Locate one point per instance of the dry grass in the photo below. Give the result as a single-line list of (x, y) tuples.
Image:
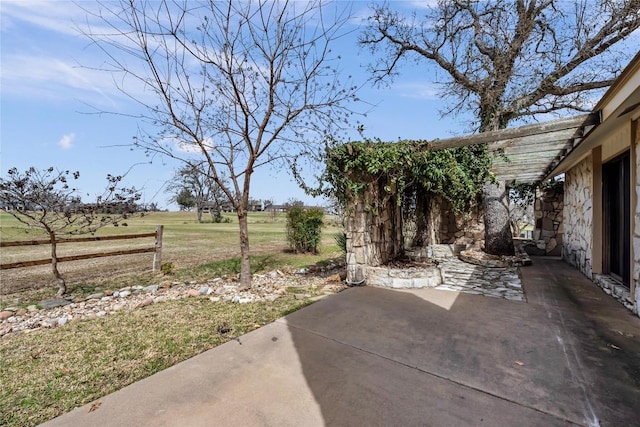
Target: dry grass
[(186, 244), (48, 372)]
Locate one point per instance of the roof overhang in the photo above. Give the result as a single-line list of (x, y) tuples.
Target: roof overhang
[(527, 154)]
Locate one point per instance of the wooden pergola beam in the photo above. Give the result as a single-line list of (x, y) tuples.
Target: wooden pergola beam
[(575, 122)]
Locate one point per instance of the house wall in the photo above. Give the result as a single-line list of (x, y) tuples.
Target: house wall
[(635, 223), (578, 216)]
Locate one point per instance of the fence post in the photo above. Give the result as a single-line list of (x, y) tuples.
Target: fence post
[(157, 255)]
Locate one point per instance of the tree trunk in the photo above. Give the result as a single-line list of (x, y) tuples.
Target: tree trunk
[(245, 262), (199, 214), (497, 224), (428, 212), (62, 285)]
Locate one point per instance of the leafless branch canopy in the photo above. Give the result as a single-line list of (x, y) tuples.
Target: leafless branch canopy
[(237, 83), (507, 59)]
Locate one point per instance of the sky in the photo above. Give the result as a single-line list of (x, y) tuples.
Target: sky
[(49, 100), (55, 109)]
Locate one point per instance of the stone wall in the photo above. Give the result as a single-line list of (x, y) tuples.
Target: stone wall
[(548, 212), (374, 232), (578, 216), (461, 229)]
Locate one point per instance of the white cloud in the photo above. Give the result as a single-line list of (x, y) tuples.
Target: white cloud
[(417, 90), (66, 142)]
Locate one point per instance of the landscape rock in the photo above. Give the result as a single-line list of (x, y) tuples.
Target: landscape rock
[(145, 302), (53, 303), (152, 289), (60, 312)]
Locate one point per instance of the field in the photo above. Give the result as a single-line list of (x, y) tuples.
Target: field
[(46, 372), (189, 246)]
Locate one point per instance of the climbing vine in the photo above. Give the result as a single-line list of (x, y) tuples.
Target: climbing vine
[(405, 168)]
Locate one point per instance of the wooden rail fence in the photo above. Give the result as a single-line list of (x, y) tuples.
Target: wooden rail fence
[(156, 249)]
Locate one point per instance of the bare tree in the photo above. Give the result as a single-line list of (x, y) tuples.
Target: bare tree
[(506, 60), (197, 181), (45, 200), (238, 84)]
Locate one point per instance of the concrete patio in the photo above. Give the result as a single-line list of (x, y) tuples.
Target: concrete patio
[(568, 355)]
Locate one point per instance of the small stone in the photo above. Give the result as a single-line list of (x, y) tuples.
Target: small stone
[(126, 288), (13, 309), (4, 315), (226, 298), (62, 321), (96, 296), (116, 294), (124, 294), (214, 299), (152, 289), (244, 300), (144, 303), (161, 298), (117, 307), (101, 313), (165, 285), (192, 293), (302, 271), (21, 312), (107, 292), (32, 308), (49, 323), (53, 303), (204, 290), (89, 316)]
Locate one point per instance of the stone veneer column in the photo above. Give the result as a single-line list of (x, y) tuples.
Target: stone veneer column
[(374, 232), (548, 212), (578, 216)]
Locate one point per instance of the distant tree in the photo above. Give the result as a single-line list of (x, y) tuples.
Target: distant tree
[(45, 200), (506, 60), (238, 84), (194, 187), (184, 199)]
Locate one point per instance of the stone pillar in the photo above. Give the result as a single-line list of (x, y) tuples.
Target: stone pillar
[(374, 231), (578, 216), (548, 212)]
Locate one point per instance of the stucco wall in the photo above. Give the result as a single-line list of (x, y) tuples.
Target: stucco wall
[(577, 216)]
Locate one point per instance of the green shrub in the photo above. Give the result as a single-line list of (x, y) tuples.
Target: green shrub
[(304, 227), (167, 268)]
